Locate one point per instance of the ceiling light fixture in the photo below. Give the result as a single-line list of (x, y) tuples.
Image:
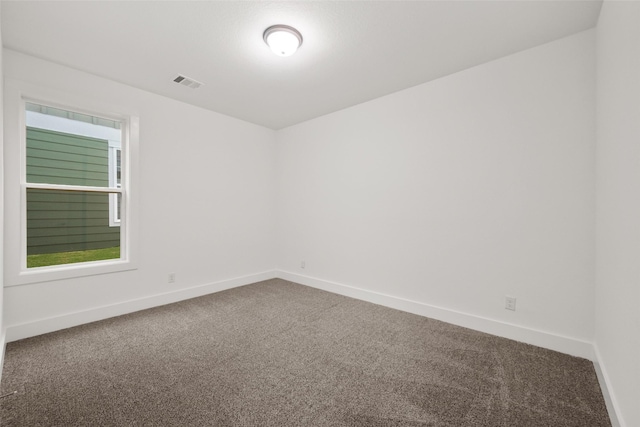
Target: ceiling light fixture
[(282, 39)]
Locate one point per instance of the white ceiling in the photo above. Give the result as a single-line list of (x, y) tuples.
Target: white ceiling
[(353, 51)]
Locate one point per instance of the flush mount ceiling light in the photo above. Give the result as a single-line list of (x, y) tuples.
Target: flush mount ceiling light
[(282, 39)]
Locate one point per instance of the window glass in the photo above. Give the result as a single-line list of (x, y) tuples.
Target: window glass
[(66, 227), (73, 187)]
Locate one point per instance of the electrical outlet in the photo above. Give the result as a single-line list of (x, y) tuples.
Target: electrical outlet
[(510, 303), (171, 278), (303, 264)]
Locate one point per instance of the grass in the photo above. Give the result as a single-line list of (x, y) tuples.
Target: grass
[(43, 260)]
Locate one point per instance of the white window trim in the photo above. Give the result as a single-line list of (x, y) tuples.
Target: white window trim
[(16, 94)]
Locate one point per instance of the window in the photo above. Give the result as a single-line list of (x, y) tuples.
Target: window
[(70, 173), (73, 186), (115, 173)]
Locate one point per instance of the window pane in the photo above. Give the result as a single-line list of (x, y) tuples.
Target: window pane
[(66, 227), (71, 115), (68, 148), (118, 204), (118, 168)]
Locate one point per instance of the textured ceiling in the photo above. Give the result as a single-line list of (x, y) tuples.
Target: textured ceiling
[(352, 51)]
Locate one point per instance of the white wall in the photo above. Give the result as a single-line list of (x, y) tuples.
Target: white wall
[(456, 192), (617, 327), (206, 204)]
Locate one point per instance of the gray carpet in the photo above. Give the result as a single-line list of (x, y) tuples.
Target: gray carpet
[(277, 353)]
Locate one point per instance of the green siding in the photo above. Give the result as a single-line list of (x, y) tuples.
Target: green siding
[(64, 221), (59, 158)]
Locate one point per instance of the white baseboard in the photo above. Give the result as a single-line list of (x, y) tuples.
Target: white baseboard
[(544, 339), (607, 390), (3, 347), (43, 326)]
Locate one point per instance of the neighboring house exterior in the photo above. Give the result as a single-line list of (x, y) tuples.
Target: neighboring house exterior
[(65, 221)]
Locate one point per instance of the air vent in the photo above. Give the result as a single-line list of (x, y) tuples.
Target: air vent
[(188, 82)]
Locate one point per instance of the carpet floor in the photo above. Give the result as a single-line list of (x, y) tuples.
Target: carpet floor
[(276, 353)]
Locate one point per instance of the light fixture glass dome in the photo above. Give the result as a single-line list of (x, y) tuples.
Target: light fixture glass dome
[(282, 39)]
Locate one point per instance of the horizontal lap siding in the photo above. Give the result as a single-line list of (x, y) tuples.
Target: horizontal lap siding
[(60, 158), (64, 221)]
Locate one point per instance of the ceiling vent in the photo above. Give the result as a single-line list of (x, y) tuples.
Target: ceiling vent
[(188, 82)]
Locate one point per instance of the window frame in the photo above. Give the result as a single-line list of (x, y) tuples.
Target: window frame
[(17, 94)]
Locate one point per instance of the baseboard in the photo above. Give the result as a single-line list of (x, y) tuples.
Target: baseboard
[(544, 339), (3, 346), (43, 326), (607, 390)]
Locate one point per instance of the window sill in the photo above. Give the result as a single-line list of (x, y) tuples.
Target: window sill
[(70, 271)]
